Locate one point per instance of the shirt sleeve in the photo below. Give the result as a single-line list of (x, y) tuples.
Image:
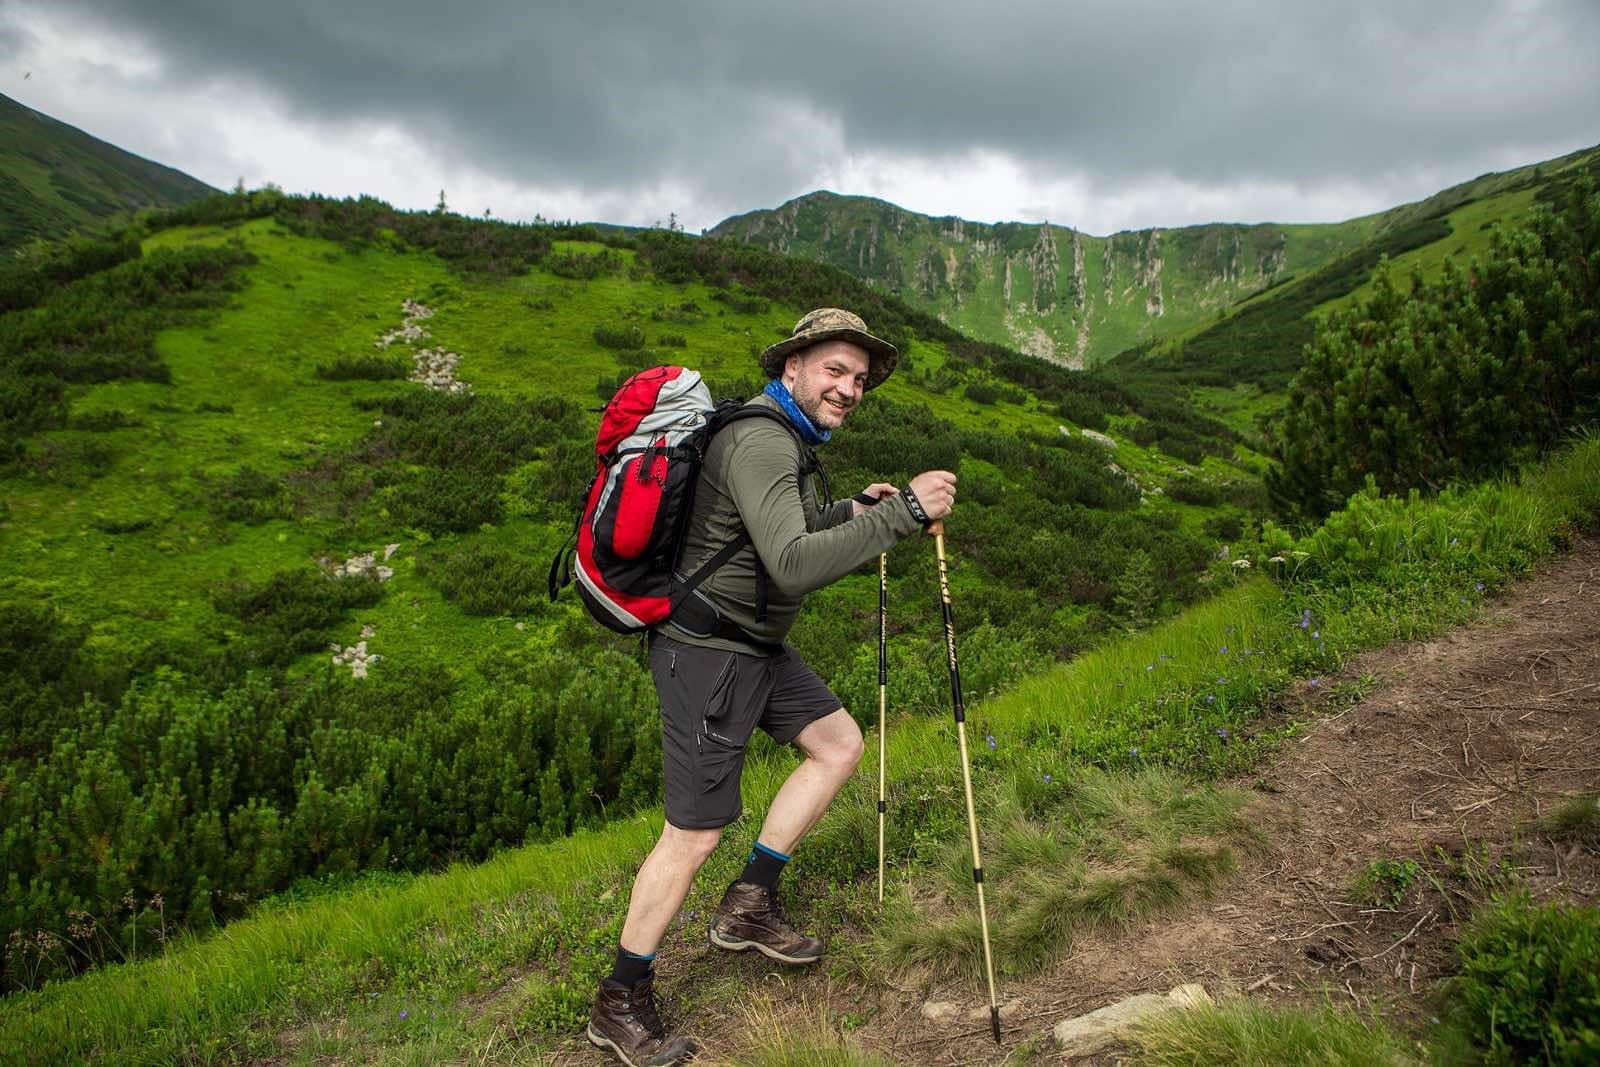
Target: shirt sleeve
[(840, 511), (763, 480)]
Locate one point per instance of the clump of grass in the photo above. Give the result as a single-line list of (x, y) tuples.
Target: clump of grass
[(1575, 819), (1243, 1033), (772, 1040), (1114, 849)]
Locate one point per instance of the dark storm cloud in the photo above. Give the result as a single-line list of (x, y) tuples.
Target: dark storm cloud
[(737, 102)]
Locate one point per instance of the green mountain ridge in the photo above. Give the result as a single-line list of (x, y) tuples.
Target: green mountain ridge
[(56, 179), (1078, 299)]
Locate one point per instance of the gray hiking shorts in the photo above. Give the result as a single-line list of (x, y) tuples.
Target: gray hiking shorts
[(711, 702)]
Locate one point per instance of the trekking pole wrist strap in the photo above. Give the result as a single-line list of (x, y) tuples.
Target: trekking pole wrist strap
[(918, 512)]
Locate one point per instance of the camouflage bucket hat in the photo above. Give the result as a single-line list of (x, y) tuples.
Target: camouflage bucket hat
[(834, 324)]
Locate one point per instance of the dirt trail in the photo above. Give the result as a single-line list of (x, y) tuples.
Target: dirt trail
[(1458, 744)]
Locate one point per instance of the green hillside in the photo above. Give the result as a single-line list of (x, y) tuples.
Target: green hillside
[(1045, 289), (56, 179), (280, 479), (311, 457), (1081, 300)]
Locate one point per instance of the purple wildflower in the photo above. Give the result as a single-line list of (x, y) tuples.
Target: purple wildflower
[(1316, 635), (1223, 650), (1222, 732), (1305, 619), (990, 739), (1315, 683), (1048, 779), (404, 1014), (1210, 699), (1133, 752), (1454, 542), (1479, 587)]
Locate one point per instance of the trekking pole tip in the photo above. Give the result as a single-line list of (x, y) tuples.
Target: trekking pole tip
[(994, 1021)]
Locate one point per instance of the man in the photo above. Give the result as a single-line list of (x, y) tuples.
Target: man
[(721, 668)]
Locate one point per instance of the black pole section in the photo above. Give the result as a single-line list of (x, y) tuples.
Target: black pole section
[(883, 706)]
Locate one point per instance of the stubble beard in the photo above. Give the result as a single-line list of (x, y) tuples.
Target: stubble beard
[(814, 408)]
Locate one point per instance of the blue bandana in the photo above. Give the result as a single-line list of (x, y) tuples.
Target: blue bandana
[(808, 432)]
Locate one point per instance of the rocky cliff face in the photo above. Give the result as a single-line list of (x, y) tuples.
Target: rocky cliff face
[(1043, 288)]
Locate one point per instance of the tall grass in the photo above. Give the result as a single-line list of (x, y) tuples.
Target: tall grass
[(1243, 1033)]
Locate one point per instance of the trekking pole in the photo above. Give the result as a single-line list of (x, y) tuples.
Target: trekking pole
[(936, 528), (883, 705)]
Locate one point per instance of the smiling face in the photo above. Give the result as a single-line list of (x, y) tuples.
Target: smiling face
[(827, 380)]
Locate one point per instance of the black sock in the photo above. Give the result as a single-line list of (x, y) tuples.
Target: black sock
[(631, 967), (764, 866)]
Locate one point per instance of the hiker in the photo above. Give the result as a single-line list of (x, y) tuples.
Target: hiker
[(721, 667)]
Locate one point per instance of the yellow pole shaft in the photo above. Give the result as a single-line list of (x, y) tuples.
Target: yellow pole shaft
[(937, 530)]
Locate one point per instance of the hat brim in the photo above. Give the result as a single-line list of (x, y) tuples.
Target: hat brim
[(881, 355)]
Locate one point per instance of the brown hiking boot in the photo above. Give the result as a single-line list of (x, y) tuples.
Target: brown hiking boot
[(749, 917), (624, 1020)]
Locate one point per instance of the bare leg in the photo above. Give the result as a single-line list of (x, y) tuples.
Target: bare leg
[(832, 746), (662, 884)]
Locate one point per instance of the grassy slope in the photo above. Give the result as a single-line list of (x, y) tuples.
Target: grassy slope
[(55, 178), (309, 301), (497, 960)]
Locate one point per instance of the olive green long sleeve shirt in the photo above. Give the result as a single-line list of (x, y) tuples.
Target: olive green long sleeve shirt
[(751, 480)]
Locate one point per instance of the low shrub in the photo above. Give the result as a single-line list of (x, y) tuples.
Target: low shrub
[(443, 501), (584, 265), (619, 337), (363, 368), (291, 613), (1528, 988), (485, 581)]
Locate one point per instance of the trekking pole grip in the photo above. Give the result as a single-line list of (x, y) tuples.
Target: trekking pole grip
[(936, 528)]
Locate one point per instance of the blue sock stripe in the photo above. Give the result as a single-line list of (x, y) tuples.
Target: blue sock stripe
[(774, 853), (636, 956)]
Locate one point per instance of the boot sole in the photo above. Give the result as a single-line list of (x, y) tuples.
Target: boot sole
[(740, 946), (605, 1042), (600, 1041)]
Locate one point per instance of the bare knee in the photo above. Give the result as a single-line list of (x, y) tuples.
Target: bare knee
[(690, 846), (834, 741)]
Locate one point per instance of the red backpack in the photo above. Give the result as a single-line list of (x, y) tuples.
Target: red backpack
[(629, 534)]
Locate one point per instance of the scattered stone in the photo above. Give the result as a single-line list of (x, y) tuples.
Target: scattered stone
[(368, 630), (1097, 1031), (1191, 995), (389, 550), (433, 367), (436, 368), (359, 566), (356, 657), (411, 329), (940, 1011), (1099, 438)]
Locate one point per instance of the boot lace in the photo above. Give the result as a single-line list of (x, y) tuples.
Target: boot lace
[(642, 1003)]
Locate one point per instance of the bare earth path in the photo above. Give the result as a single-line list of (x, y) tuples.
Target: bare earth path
[(1458, 744)]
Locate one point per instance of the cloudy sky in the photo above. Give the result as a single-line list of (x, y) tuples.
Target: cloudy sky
[(1098, 114)]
